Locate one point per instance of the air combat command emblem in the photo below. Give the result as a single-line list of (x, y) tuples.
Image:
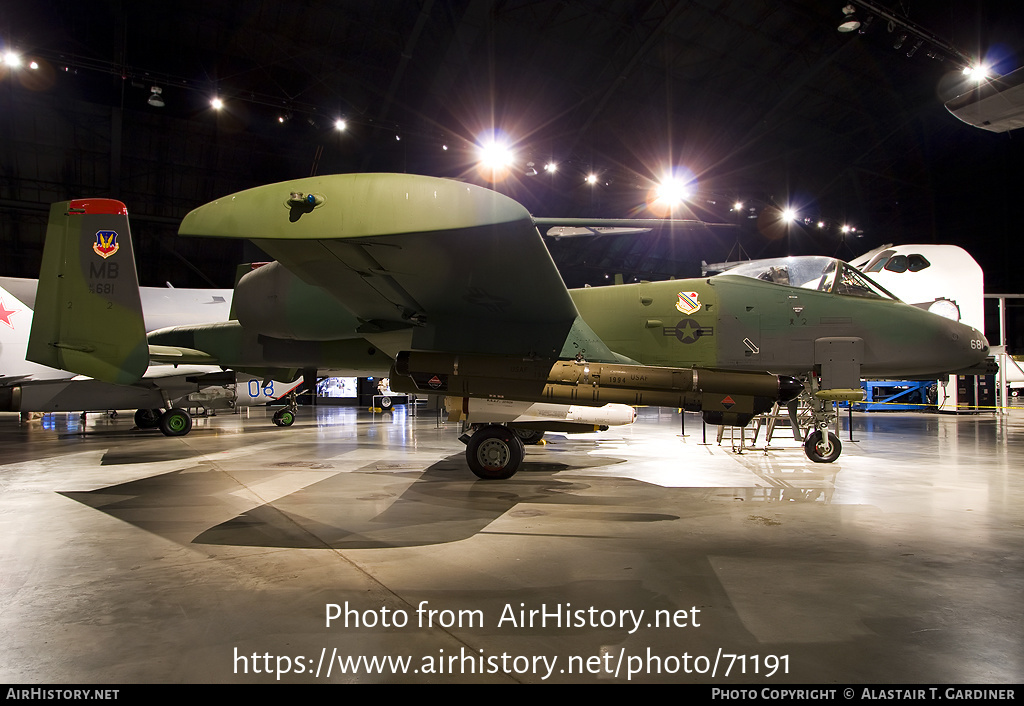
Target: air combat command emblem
[(106, 243)]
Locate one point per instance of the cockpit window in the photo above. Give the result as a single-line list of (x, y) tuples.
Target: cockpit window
[(878, 261), (823, 274), (898, 263), (916, 263)]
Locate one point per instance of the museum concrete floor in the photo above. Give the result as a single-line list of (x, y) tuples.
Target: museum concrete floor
[(128, 557)]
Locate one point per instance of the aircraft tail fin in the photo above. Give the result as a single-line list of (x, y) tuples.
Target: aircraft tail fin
[(88, 315)]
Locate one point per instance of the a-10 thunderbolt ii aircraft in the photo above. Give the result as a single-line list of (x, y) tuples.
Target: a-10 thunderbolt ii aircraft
[(454, 283)]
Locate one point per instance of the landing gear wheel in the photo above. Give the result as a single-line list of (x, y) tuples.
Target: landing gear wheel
[(147, 418), (385, 403), (529, 436), (175, 422), (822, 449), (494, 453), (284, 417)]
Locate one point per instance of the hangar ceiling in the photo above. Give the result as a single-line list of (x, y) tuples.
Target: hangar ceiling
[(763, 101)]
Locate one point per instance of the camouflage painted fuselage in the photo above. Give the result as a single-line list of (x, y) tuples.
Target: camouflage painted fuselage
[(740, 323)]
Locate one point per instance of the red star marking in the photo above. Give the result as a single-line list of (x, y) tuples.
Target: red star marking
[(5, 314)]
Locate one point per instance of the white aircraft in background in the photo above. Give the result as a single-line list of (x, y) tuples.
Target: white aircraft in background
[(945, 280), (29, 387)]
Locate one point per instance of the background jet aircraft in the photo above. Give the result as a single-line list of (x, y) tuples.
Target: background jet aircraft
[(29, 387), (454, 282)]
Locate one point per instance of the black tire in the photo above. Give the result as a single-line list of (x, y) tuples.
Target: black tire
[(284, 417), (821, 449), (385, 403), (147, 418), (175, 422), (494, 453), (529, 436)]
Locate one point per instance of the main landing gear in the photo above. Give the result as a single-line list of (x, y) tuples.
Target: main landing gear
[(174, 422), (494, 452)]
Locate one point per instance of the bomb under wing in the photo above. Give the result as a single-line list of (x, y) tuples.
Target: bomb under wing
[(725, 397)]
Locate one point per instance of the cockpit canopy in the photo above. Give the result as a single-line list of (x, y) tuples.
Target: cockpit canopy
[(822, 274)]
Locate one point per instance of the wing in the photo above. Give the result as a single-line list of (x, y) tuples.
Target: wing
[(456, 266)]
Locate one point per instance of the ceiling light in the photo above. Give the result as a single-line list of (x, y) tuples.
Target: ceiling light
[(216, 103), (671, 191), (550, 167), (156, 98), (591, 178), (978, 72), (495, 155), (850, 21), (913, 49), (340, 125)]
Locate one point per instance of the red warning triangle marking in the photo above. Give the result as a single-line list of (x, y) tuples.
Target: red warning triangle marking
[(728, 401)]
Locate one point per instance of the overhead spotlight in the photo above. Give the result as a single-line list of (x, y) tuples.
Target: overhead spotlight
[(846, 229), (899, 41), (444, 147), (788, 214), (216, 103), (33, 65), (671, 191), (850, 21), (398, 138), (913, 49), (821, 224), (978, 72), (495, 155), (738, 206), (11, 59), (591, 178), (550, 167), (340, 125), (867, 24), (156, 98)]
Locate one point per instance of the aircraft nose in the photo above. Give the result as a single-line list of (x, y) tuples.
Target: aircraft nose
[(970, 344)]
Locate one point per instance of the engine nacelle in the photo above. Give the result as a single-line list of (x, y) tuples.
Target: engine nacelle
[(272, 301)]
